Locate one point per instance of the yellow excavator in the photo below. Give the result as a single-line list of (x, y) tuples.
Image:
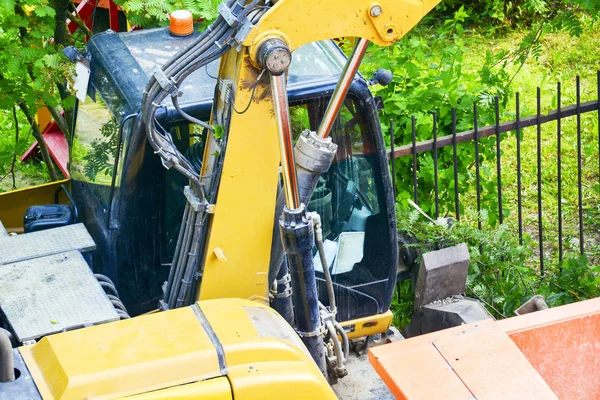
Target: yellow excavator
[(228, 228)]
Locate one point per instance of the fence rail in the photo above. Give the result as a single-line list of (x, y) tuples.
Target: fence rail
[(474, 136)]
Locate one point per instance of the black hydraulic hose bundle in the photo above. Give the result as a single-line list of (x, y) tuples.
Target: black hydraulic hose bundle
[(210, 45), (111, 292)]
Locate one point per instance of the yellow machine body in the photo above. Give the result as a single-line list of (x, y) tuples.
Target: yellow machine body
[(248, 351), (247, 191), (175, 355), (14, 204)]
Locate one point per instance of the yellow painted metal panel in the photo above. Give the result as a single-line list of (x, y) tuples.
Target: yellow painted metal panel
[(265, 357), (245, 341), (127, 357), (169, 355), (212, 389), (238, 250), (282, 380), (14, 204), (368, 326), (300, 21)]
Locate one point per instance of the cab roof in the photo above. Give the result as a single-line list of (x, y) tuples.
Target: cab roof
[(121, 64)]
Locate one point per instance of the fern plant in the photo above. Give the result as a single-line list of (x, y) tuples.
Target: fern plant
[(500, 274)]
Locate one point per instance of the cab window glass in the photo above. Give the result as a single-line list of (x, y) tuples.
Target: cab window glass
[(351, 202), (94, 147)]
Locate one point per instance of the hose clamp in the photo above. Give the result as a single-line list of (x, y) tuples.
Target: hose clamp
[(287, 291), (233, 20), (168, 85), (195, 202), (243, 33), (228, 14), (317, 332), (287, 279)]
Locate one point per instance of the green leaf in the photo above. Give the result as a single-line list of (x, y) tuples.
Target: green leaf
[(44, 11), (7, 5)]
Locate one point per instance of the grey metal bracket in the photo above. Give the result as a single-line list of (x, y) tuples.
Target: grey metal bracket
[(245, 25), (167, 84), (195, 202), (243, 33), (317, 332), (227, 14)]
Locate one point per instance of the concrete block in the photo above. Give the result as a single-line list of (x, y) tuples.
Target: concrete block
[(442, 274)]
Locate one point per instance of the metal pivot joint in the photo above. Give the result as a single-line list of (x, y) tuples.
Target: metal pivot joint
[(274, 56)]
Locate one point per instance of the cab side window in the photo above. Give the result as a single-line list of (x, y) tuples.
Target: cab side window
[(94, 147)]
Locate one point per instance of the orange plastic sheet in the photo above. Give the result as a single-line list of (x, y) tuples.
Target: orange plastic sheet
[(544, 355)]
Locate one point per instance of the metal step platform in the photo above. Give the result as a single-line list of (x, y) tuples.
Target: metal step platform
[(43, 243), (50, 294)]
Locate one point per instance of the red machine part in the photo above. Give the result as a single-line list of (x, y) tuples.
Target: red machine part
[(57, 147), (85, 9)]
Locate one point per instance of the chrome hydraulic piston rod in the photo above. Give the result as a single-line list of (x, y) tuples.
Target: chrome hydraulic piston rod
[(286, 144), (295, 225), (341, 90)]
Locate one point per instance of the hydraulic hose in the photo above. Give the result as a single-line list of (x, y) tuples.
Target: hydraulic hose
[(192, 263), (7, 365), (328, 281), (176, 256), (182, 260), (337, 347), (345, 342)]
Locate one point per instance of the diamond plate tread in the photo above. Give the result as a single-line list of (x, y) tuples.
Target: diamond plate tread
[(48, 294), (42, 243)]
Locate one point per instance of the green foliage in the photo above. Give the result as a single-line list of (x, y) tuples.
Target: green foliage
[(429, 76), (25, 173), (500, 275), (492, 15), (30, 64), (99, 158), (150, 13)]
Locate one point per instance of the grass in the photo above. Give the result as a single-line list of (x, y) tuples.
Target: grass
[(26, 174), (563, 59)]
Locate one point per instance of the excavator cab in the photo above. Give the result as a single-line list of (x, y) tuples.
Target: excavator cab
[(236, 181), (133, 207)]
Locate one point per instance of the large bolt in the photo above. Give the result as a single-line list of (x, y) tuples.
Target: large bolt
[(376, 11), (275, 56)]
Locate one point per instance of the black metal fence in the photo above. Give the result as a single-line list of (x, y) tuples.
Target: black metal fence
[(473, 137)]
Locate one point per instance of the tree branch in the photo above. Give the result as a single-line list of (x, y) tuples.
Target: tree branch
[(56, 113), (14, 160), (35, 128), (60, 19), (76, 18)]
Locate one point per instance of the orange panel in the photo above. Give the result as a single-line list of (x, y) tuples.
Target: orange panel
[(405, 378), (491, 365), (563, 345), (539, 355)]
